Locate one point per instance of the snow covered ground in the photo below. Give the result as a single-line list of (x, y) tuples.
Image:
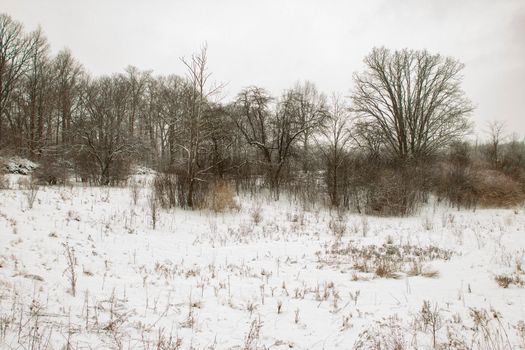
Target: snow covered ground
[(271, 276)]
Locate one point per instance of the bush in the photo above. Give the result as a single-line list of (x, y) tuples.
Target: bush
[(389, 188), (513, 161), (221, 197), (164, 187), (89, 170), (479, 187), (52, 172), (466, 183), (457, 186), (396, 192), (172, 189), (498, 190), (4, 181), (119, 172), (387, 333)]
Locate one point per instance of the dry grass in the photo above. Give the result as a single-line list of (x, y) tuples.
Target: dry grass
[(221, 197), (479, 186), (256, 213), (387, 260), (505, 281), (385, 334), (498, 190)]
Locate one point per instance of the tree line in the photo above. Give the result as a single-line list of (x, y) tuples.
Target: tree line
[(372, 150)]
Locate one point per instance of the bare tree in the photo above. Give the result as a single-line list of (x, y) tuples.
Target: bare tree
[(334, 141), (273, 129), (103, 133), (253, 116), (411, 99), (37, 97), (68, 75), (496, 130), (195, 125), (137, 83), (16, 49), (310, 107), (170, 94)]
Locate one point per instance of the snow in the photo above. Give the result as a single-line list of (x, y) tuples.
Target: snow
[(17, 165), (202, 280)]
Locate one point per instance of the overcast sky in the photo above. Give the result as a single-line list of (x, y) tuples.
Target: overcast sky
[(273, 44)]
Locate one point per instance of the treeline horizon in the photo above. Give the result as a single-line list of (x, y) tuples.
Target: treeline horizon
[(399, 137)]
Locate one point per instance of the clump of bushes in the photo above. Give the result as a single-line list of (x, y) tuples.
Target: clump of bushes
[(479, 188), (52, 172), (164, 187), (221, 197), (467, 183), (387, 187), (90, 170), (498, 190), (394, 193), (172, 190)]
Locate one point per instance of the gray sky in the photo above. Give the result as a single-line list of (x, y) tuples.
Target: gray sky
[(275, 43)]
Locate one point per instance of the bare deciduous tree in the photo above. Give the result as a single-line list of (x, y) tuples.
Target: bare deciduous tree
[(137, 83), (68, 75), (310, 108), (411, 99), (170, 92), (16, 48), (333, 144), (273, 129), (37, 99), (496, 130), (195, 125), (103, 132)]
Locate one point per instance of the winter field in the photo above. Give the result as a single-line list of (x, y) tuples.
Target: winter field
[(83, 268)]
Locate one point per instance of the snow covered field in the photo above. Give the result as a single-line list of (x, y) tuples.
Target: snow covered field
[(271, 276)]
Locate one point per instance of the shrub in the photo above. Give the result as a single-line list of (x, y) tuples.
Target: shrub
[(256, 213), (338, 223), (134, 190), (172, 190), (455, 179), (221, 197), (513, 161), (387, 260), (89, 170), (505, 281), (498, 190), (399, 189), (85, 167), (387, 187), (4, 181), (52, 172), (457, 186), (387, 333), (118, 172), (31, 192), (479, 187), (164, 188), (466, 183)]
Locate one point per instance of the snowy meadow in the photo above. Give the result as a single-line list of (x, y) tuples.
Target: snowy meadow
[(83, 268)]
